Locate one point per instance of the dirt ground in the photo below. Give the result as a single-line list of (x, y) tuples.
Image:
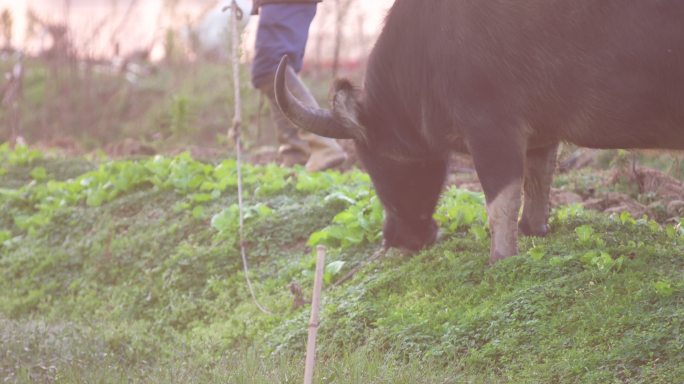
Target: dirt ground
[(664, 193)]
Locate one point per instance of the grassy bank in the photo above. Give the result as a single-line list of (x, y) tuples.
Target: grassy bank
[(129, 271)]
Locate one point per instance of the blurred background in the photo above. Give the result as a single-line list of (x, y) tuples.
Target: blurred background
[(147, 76)]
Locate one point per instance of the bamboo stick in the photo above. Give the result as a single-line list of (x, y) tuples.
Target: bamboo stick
[(313, 321)]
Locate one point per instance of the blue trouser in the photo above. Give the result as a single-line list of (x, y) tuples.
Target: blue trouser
[(283, 30)]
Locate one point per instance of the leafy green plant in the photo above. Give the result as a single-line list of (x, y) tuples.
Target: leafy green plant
[(588, 237), (537, 252), (564, 213), (4, 236), (332, 270), (185, 174), (459, 210), (676, 230), (21, 155), (39, 174), (626, 218), (273, 179), (321, 181), (602, 261), (480, 232), (663, 288), (360, 223), (199, 183), (585, 234)]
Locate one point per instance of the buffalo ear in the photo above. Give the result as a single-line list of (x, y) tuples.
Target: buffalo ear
[(340, 123), (346, 103)]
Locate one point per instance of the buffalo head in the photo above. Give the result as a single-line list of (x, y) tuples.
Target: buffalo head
[(408, 186)]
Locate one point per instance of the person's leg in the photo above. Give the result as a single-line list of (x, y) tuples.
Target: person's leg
[(282, 30), (292, 148)]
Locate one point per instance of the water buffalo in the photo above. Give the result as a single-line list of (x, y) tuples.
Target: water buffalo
[(505, 81)]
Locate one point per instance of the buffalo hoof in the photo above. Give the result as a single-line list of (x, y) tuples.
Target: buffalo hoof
[(526, 229), (495, 256)]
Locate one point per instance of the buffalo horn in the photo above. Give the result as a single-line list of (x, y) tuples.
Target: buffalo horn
[(313, 119)]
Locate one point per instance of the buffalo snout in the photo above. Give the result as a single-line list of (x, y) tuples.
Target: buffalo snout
[(409, 235)]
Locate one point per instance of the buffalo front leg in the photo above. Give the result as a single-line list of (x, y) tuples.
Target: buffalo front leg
[(499, 162), (539, 167)]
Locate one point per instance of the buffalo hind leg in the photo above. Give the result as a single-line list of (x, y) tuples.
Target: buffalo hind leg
[(499, 162), (539, 167)]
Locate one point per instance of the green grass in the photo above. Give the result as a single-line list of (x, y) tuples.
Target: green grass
[(146, 285)]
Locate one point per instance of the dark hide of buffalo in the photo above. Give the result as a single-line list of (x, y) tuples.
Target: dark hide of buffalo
[(506, 81)]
